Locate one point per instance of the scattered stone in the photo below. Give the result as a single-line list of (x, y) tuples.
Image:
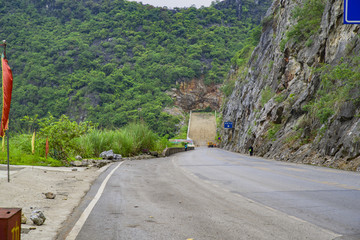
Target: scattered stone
[(109, 155), (23, 219), (50, 195), (76, 163), (78, 158), (154, 153), (117, 157), (358, 169), (100, 164), (74, 169), (25, 230), (38, 217), (86, 162)]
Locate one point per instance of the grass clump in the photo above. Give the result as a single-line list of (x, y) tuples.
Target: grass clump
[(128, 141), (308, 22), (21, 153), (266, 95), (339, 84), (273, 130)]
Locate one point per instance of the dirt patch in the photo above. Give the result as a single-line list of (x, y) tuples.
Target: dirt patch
[(26, 190)]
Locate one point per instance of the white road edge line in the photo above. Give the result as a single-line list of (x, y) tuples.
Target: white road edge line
[(80, 223)]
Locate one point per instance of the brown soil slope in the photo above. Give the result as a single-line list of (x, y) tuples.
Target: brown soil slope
[(202, 128)]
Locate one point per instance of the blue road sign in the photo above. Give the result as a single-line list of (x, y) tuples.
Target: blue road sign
[(351, 11), (228, 125)]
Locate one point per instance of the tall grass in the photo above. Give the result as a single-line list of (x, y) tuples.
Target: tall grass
[(128, 141), (21, 154)]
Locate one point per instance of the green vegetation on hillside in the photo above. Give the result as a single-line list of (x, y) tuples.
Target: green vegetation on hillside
[(308, 19), (111, 61), (339, 84)]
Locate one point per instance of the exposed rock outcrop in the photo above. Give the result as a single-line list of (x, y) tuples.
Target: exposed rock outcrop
[(195, 95), (281, 128), (253, 10)]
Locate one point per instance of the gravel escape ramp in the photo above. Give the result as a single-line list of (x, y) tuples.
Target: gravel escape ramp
[(202, 128)]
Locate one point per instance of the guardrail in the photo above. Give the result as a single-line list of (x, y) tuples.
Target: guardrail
[(170, 151)]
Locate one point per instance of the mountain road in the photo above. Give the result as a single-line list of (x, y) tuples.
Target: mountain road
[(210, 193)]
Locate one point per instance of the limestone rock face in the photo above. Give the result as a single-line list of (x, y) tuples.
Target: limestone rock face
[(281, 129), (195, 95)]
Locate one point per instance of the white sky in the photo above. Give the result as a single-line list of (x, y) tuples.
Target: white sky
[(176, 3)]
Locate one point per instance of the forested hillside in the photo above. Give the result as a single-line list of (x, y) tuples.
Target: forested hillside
[(111, 61)]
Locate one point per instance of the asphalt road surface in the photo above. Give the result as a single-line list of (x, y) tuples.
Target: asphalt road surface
[(214, 194)]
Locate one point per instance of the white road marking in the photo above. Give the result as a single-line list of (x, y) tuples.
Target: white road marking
[(80, 223)]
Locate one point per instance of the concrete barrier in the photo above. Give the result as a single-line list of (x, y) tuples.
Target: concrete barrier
[(170, 151)]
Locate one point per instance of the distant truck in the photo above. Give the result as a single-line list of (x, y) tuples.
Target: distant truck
[(211, 144)]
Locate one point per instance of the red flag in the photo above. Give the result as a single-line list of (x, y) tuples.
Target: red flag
[(7, 79), (46, 147)]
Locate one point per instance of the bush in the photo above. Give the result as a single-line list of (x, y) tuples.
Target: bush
[(61, 134)]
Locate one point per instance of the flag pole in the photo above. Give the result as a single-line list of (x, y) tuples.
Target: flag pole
[(4, 45), (8, 155), (7, 138)]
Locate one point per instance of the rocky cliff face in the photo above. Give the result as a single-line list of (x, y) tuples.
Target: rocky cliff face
[(196, 95), (247, 9), (269, 105)]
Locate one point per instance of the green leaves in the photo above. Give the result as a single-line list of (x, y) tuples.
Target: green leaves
[(61, 134), (308, 21), (102, 61), (339, 84), (128, 141)]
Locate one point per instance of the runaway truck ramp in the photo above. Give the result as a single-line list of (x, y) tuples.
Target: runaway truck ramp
[(202, 128)]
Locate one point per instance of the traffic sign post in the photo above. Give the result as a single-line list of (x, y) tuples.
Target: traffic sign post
[(228, 125), (351, 12)]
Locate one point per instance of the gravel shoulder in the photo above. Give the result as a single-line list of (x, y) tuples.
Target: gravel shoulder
[(27, 187)]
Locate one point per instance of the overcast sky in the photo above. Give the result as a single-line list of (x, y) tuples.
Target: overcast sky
[(176, 3)]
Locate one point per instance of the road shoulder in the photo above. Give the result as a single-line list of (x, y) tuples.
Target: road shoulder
[(26, 190)]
